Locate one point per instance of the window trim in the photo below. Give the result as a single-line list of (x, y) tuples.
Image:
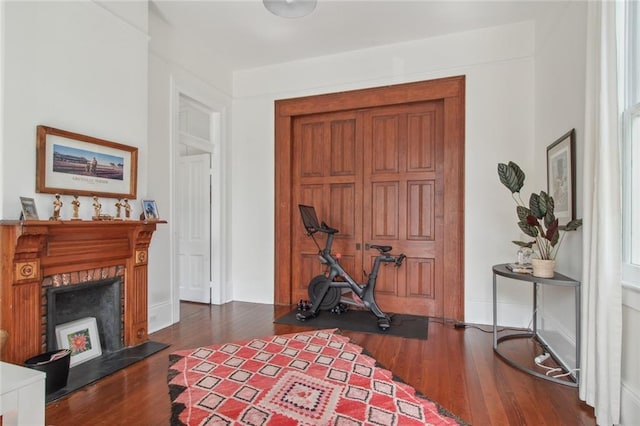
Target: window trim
[(630, 65)]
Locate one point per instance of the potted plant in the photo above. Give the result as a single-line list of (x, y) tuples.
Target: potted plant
[(536, 220)]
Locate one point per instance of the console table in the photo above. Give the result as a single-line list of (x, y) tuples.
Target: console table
[(557, 280)]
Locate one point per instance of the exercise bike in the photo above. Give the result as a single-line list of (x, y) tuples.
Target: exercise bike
[(329, 290)]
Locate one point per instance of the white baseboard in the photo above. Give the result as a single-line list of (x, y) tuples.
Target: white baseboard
[(560, 339), (629, 406), (631, 298), (160, 316), (509, 314)]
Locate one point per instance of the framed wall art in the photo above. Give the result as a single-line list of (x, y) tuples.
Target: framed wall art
[(29, 211), (81, 338), (74, 164), (561, 176)]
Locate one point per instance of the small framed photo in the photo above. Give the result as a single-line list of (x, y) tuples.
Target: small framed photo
[(81, 338), (29, 211), (150, 210), (561, 176)]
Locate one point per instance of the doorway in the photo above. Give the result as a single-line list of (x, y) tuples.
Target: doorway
[(194, 207), (384, 166)]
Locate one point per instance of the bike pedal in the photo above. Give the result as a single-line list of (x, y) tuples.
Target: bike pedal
[(384, 324)]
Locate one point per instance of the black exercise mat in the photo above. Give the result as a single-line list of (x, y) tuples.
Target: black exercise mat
[(410, 326)]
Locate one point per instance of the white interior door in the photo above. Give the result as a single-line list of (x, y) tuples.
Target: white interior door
[(194, 227)]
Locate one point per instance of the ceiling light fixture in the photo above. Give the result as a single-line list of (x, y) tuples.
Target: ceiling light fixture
[(290, 8)]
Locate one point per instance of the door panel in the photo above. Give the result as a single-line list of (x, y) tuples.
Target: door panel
[(326, 157), (420, 215), (384, 223), (403, 187), (194, 230)]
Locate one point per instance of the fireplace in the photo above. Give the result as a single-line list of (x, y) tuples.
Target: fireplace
[(100, 299), (42, 260)]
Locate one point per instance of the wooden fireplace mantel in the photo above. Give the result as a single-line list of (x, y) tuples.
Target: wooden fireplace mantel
[(32, 250)]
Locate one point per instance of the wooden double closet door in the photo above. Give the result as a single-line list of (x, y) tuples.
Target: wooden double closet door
[(379, 174)]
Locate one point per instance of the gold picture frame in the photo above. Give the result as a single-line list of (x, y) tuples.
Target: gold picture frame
[(74, 164)]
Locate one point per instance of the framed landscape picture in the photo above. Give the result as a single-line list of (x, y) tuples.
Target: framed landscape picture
[(561, 176), (74, 164), (81, 338)]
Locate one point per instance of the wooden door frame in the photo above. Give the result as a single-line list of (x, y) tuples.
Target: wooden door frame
[(451, 91)]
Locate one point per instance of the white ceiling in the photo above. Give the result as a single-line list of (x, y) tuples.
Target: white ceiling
[(244, 34)]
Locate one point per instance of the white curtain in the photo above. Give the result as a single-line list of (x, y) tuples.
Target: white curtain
[(601, 288)]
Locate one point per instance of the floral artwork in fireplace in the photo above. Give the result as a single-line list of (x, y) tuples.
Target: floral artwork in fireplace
[(81, 337)]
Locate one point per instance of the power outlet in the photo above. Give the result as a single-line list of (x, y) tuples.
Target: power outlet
[(542, 358)]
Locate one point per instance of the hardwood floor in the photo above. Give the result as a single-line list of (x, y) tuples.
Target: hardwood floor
[(455, 367)]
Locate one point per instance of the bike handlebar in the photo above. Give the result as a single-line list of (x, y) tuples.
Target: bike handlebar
[(400, 259)]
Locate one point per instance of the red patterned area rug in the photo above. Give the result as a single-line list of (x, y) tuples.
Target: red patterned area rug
[(312, 378)]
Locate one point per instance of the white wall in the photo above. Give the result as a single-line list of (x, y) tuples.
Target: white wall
[(177, 63), (559, 106), (499, 69), (75, 66)]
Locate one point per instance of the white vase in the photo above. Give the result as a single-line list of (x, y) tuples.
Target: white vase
[(543, 268)]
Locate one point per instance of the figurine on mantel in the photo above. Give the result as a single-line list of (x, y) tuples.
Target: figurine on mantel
[(119, 206), (76, 206), (127, 209), (57, 206), (96, 208)]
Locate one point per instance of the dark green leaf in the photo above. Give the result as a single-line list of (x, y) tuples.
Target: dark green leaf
[(519, 174), (543, 199), (535, 204), (549, 216), (524, 244), (523, 212), (509, 177), (572, 226), (529, 230)]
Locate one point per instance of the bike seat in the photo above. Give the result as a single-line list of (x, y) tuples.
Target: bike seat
[(327, 229), (383, 249)]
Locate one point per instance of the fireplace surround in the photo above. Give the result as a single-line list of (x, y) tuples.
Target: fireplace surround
[(40, 255), (100, 299)]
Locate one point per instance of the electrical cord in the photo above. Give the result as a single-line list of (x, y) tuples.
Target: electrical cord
[(461, 325), (551, 370)]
